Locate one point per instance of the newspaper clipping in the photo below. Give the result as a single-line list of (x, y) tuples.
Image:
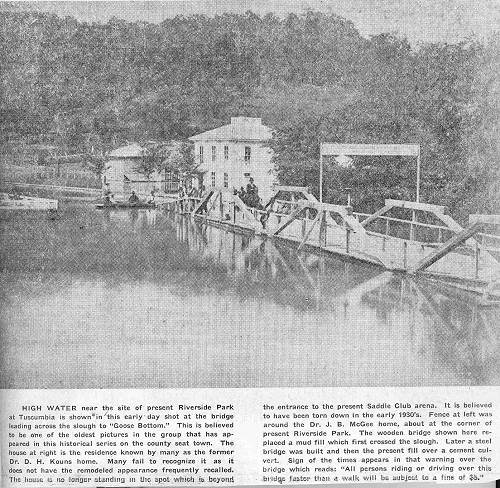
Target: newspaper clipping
[(249, 243)]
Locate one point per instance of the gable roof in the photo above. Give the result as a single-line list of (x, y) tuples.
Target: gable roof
[(240, 129), (130, 151)]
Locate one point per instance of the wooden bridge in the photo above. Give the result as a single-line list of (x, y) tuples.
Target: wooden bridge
[(403, 236)]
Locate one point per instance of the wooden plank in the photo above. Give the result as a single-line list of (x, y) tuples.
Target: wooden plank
[(310, 197), (354, 224), (334, 149), (271, 201), (214, 201), (308, 233), (290, 219), (447, 247), (484, 219), (340, 209), (489, 258), (203, 200), (450, 223), (377, 214), (426, 207), (221, 207), (330, 220), (239, 202), (297, 189)]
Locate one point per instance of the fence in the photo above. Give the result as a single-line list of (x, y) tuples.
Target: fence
[(64, 176)]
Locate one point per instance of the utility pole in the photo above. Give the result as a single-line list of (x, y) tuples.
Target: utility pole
[(320, 177), (418, 175)]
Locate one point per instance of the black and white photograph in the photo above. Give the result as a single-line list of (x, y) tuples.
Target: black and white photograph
[(236, 194)]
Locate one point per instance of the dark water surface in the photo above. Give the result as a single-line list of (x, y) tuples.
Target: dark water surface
[(104, 299)]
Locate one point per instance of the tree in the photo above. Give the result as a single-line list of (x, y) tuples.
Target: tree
[(312, 77), (174, 156)]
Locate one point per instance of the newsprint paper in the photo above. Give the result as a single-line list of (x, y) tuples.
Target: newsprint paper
[(249, 243)]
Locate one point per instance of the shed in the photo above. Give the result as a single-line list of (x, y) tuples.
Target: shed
[(122, 173)]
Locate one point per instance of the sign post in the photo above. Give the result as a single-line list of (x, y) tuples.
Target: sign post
[(321, 178), (418, 175)]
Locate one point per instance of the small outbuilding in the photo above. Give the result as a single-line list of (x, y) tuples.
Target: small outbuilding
[(122, 173)]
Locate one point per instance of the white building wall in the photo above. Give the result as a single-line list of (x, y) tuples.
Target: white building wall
[(114, 174), (237, 169)]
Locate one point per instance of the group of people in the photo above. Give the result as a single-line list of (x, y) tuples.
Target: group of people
[(109, 198), (250, 195), (191, 191), (134, 199)]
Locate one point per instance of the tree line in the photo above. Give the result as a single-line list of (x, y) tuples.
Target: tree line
[(311, 77)]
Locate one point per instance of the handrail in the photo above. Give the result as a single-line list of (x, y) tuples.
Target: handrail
[(424, 207), (294, 205), (489, 236), (394, 219), (429, 226), (76, 189)]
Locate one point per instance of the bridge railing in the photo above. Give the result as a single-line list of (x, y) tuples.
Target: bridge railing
[(406, 229), (389, 240)]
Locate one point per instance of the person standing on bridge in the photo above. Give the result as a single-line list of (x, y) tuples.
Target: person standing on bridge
[(251, 187), (253, 199)]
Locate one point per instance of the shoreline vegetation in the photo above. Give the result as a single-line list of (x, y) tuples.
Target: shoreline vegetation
[(73, 87)]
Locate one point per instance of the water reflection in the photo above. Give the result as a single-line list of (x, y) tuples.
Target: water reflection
[(195, 305)]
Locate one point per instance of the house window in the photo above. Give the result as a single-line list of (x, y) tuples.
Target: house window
[(248, 153), (213, 178), (226, 152), (214, 153), (201, 154), (226, 180)]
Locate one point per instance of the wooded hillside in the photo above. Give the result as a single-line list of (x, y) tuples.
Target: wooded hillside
[(311, 77)]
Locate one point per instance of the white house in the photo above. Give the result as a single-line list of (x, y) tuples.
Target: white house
[(232, 154), (122, 173)]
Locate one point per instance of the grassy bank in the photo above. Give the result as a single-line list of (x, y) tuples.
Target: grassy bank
[(23, 164), (67, 175)]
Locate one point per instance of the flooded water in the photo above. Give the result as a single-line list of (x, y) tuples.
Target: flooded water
[(116, 299)]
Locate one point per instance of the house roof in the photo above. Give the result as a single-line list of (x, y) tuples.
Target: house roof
[(240, 129), (130, 151)]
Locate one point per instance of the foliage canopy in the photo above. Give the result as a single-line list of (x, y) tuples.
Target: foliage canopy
[(312, 77)]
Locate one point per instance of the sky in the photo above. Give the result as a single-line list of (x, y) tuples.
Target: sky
[(417, 20)]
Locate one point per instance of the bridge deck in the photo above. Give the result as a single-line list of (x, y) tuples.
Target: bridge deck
[(337, 231)]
